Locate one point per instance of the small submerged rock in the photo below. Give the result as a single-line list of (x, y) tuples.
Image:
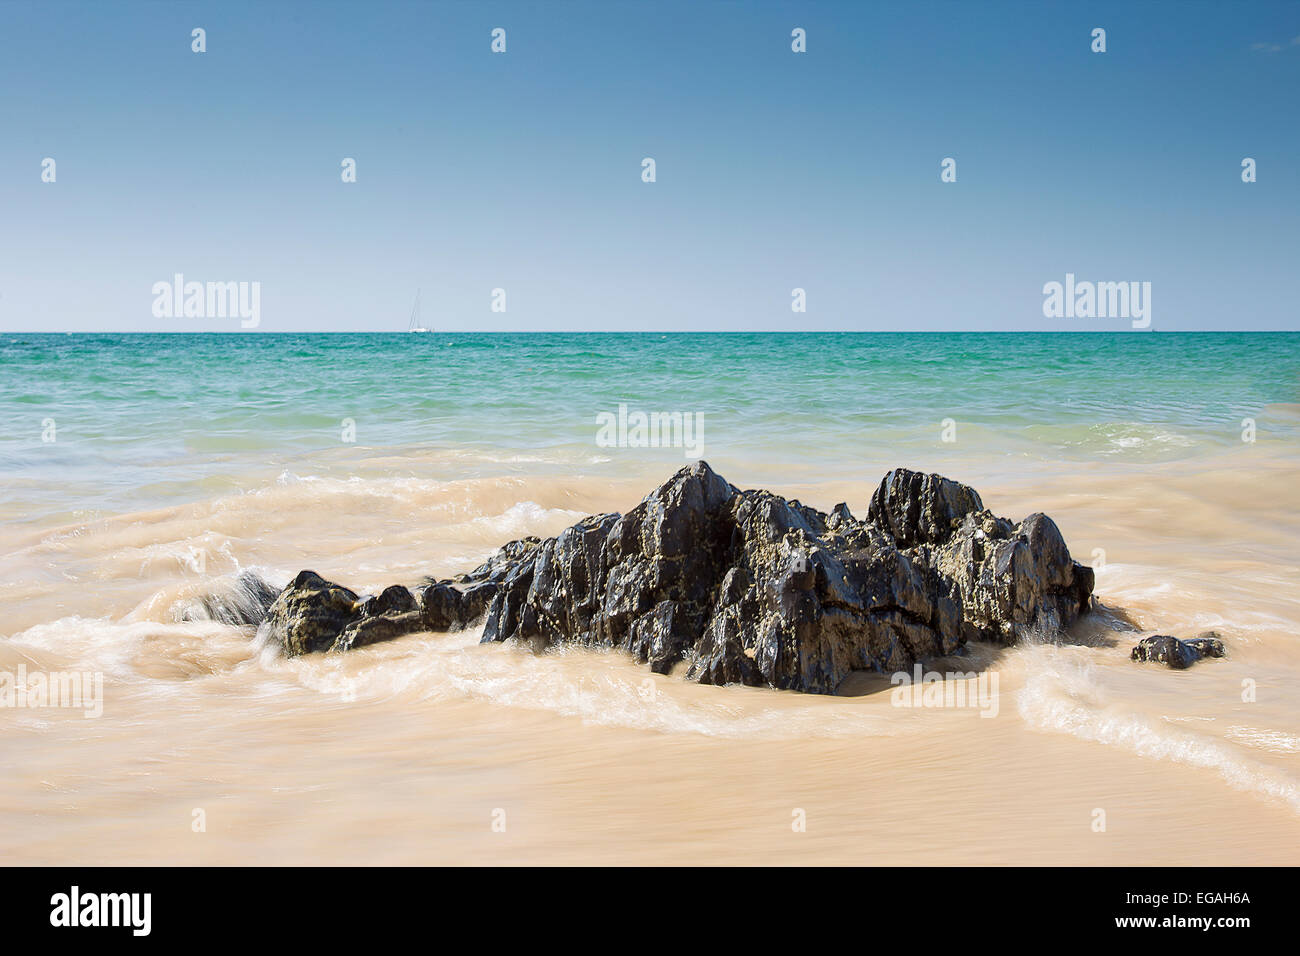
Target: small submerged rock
[(245, 600), (1169, 650), (1209, 644), (745, 586)]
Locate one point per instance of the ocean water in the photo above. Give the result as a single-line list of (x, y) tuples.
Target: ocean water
[(140, 417), (179, 463)]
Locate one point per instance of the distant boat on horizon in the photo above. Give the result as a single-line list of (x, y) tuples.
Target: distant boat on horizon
[(414, 325)]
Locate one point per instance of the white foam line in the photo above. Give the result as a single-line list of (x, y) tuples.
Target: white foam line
[(1066, 697)]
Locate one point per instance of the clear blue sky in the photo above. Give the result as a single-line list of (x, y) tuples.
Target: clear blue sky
[(523, 170)]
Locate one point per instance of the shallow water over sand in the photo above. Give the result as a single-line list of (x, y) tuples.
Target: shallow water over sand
[(403, 752)]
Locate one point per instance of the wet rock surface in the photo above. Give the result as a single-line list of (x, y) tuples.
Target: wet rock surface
[(743, 586), (1178, 654), (312, 614)]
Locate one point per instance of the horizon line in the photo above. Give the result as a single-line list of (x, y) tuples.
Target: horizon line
[(403, 332)]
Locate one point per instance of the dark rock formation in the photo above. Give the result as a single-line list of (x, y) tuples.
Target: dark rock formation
[(313, 614), (744, 586), (1164, 649)]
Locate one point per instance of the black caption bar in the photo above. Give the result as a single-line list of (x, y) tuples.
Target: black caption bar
[(136, 906)]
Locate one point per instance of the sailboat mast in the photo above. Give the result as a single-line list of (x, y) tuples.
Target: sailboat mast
[(415, 313)]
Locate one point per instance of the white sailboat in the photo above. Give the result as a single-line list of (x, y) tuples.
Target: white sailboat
[(415, 325)]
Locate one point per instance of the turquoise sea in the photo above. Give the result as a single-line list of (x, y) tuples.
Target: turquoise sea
[(137, 417)]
